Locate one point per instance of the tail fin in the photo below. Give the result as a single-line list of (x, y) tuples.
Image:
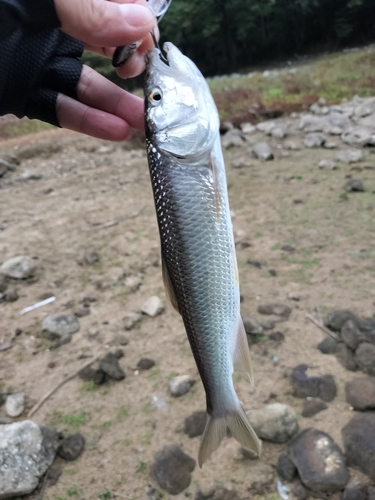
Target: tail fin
[(216, 430)]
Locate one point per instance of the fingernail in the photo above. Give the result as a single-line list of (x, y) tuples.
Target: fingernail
[(137, 15)]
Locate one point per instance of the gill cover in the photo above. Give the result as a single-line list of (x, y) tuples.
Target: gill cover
[(183, 119)]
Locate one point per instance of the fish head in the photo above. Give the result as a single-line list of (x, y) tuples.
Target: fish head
[(181, 115)]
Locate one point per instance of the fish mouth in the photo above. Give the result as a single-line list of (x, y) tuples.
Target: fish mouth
[(157, 53)]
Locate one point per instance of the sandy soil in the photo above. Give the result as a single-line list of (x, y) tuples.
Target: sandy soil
[(97, 195)]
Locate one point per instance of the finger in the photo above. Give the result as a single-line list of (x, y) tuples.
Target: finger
[(74, 115), (97, 92), (102, 23)]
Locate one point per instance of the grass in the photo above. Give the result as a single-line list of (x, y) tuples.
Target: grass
[(74, 420), (335, 77)]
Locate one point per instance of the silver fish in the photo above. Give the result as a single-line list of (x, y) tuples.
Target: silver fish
[(198, 254)]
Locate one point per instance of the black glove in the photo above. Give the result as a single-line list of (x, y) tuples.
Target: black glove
[(36, 63)]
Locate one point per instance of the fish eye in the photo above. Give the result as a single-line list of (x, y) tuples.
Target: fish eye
[(155, 96)]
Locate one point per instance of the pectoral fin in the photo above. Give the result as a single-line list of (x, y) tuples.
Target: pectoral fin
[(169, 288), (242, 360)]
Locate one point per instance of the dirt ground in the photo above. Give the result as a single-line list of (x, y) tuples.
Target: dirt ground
[(97, 195)]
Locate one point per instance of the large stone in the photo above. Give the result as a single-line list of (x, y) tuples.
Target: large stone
[(71, 447), (355, 492), (335, 320), (365, 358), (180, 385), (311, 123), (172, 469), (328, 345), (354, 186), (359, 137), (15, 404), (56, 326), (232, 138), (153, 306), (320, 462), (336, 123), (262, 151), (195, 424), (252, 326), (314, 140), (312, 406), (26, 452), (351, 334), (346, 357), (349, 155), (359, 442), (276, 309), (110, 365), (21, 267), (304, 386), (276, 422), (285, 468), (360, 393)]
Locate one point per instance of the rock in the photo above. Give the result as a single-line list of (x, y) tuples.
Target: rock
[(351, 335), (285, 468), (85, 311), (145, 364), (365, 358), (312, 406), (54, 474), (320, 462), (349, 155), (91, 257), (110, 365), (11, 295), (311, 123), (276, 336), (279, 131), (327, 165), (359, 442), (292, 146), (247, 128), (20, 267), (262, 151), (31, 175), (335, 320), (97, 376), (120, 339), (26, 453), (64, 339), (299, 491), (346, 357), (57, 325), (355, 492), (252, 327), (354, 185), (180, 385), (195, 424), (328, 345), (359, 137), (368, 122), (371, 494), (232, 138), (276, 309), (330, 145), (172, 469), (360, 393), (153, 306), (15, 404), (304, 386), (268, 324), (218, 493), (365, 107), (275, 422), (314, 140), (225, 126), (131, 320), (4, 346), (265, 127), (71, 447), (336, 123)]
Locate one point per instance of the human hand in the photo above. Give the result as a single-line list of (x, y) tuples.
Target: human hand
[(102, 109)]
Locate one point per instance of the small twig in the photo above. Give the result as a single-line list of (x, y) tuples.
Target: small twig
[(35, 408), (114, 222), (321, 326), (320, 317), (118, 494)]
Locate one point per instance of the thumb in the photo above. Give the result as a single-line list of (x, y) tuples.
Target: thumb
[(104, 23)]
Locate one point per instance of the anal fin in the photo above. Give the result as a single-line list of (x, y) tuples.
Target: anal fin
[(242, 360), (169, 288)]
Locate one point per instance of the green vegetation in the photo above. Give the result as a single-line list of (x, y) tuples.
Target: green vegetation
[(74, 420), (73, 491), (122, 413)]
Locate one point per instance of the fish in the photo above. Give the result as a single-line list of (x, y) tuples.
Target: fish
[(199, 264)]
